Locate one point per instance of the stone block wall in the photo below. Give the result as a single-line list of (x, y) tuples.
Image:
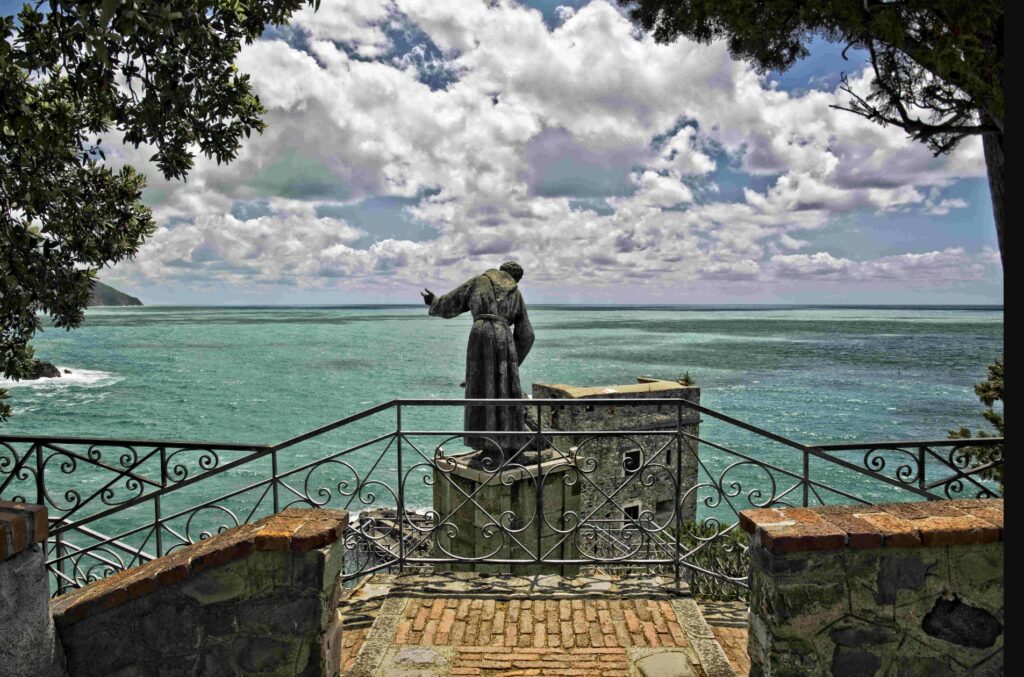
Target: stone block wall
[(500, 521), (909, 589), (603, 459), (259, 599), (27, 640)]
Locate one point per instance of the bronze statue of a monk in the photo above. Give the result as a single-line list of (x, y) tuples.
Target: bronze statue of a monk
[(499, 341)]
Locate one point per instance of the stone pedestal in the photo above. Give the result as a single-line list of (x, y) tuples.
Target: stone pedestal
[(493, 516)]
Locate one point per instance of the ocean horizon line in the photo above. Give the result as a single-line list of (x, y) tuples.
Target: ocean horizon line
[(596, 306)]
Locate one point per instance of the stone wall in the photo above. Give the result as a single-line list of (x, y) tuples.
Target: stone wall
[(259, 599), (604, 460), (908, 589), (494, 516), (27, 641)]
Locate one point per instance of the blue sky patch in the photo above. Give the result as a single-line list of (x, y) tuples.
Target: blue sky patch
[(821, 70), (299, 178), (560, 166), (382, 218), (864, 234), (252, 209), (593, 204), (548, 9)]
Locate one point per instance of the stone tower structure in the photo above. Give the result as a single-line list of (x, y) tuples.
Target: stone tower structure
[(595, 490), (608, 462)]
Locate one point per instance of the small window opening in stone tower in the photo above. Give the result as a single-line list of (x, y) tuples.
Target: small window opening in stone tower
[(631, 461)]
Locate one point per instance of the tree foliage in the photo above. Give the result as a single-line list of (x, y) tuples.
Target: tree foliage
[(989, 392), (159, 74), (937, 64)]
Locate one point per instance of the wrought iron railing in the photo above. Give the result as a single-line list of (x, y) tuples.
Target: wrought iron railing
[(114, 504)]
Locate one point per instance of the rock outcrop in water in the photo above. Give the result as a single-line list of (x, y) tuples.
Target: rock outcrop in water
[(105, 295), (41, 369)]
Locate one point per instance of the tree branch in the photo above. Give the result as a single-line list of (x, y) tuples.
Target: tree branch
[(918, 129)]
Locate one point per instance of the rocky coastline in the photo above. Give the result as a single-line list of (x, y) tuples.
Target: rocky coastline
[(43, 369)]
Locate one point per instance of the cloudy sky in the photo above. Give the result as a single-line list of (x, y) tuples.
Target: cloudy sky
[(415, 143)]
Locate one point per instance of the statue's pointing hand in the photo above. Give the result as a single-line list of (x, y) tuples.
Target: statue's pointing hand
[(428, 296)]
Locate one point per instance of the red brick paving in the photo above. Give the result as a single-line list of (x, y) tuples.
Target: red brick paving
[(540, 624), (352, 641), (734, 642), (503, 635), (500, 661)]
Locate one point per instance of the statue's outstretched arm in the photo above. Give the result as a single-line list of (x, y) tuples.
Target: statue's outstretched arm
[(522, 335), (454, 302)]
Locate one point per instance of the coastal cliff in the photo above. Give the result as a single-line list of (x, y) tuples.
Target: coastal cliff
[(105, 295)]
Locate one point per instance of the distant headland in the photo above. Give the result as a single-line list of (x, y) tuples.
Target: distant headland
[(105, 295)]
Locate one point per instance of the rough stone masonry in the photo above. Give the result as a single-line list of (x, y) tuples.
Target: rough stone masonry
[(907, 589), (28, 643), (258, 599), (606, 461)]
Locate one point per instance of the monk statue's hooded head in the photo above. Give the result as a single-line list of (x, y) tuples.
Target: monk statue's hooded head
[(513, 269)]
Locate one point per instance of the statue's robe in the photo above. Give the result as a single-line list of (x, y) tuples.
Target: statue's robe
[(499, 341)]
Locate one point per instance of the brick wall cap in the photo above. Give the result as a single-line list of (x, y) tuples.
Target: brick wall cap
[(932, 523), (22, 525), (294, 530), (988, 510)]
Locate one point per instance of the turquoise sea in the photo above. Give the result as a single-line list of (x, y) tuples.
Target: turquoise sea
[(265, 374)]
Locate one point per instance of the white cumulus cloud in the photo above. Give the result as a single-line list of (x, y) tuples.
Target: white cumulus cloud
[(582, 148)]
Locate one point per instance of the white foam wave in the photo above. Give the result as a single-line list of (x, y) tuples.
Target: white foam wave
[(83, 378)]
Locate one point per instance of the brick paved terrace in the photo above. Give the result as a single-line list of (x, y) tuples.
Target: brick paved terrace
[(502, 625)]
